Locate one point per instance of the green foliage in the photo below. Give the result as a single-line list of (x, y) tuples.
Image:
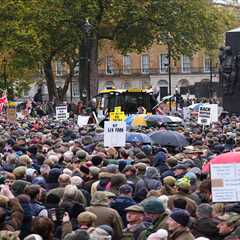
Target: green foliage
[(33, 31)]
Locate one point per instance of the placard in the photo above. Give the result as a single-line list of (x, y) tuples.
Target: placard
[(115, 134), (204, 115), (62, 113), (12, 112), (214, 113), (186, 113), (225, 179), (82, 120), (117, 115)]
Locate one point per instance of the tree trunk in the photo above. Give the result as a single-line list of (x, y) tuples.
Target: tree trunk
[(93, 67), (51, 85), (67, 83)]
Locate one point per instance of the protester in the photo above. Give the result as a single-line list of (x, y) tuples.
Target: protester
[(58, 181)]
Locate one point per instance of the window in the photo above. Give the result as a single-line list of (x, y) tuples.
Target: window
[(145, 64), (127, 64), (59, 68), (76, 69), (75, 89), (109, 65), (186, 64), (207, 64), (163, 63)]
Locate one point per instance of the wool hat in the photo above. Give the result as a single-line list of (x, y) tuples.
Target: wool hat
[(99, 199), (86, 217), (191, 176), (169, 180), (96, 160), (154, 206), (33, 237), (125, 189), (183, 183), (19, 172), (94, 171), (135, 208), (76, 235), (160, 234), (181, 217), (151, 172), (81, 154), (129, 168), (107, 228), (140, 166)]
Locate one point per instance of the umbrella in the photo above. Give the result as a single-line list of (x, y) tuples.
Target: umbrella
[(168, 138), (138, 137), (230, 157), (139, 120), (163, 119), (195, 107)]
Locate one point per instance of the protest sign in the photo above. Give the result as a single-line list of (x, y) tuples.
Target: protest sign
[(214, 113), (82, 120), (117, 115), (225, 179), (204, 115), (186, 113), (62, 113), (114, 134), (12, 111)]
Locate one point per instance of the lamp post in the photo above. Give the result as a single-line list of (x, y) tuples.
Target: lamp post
[(4, 63), (88, 30), (84, 62), (211, 79), (168, 40)]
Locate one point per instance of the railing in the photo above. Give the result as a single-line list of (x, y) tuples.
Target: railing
[(155, 71)]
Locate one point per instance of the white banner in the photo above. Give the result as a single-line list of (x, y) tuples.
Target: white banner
[(115, 134), (225, 179), (62, 113)]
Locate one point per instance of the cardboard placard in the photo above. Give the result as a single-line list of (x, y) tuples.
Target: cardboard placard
[(225, 180), (115, 134)]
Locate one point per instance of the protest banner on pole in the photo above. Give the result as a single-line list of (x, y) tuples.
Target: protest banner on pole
[(225, 179), (115, 134), (62, 113)]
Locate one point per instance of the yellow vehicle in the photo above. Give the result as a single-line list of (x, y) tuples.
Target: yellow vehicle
[(128, 99)]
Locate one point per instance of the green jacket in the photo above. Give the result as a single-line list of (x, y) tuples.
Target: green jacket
[(161, 222), (234, 235)]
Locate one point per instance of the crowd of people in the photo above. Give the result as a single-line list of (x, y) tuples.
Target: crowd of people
[(58, 181)]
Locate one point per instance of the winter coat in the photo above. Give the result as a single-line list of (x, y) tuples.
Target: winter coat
[(144, 185), (14, 221), (182, 233), (120, 203), (161, 222), (159, 162), (108, 216), (191, 205), (206, 227)]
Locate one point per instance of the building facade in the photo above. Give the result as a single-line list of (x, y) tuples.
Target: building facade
[(148, 69)]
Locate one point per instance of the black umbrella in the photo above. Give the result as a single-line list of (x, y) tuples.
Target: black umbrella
[(168, 138)]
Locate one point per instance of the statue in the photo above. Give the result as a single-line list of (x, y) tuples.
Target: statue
[(227, 70)]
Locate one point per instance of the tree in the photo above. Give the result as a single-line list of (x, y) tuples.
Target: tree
[(56, 28)]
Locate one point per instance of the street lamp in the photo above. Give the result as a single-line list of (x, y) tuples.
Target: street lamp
[(84, 62), (168, 40), (4, 64)]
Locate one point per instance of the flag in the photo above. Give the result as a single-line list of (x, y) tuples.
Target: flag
[(3, 100)]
